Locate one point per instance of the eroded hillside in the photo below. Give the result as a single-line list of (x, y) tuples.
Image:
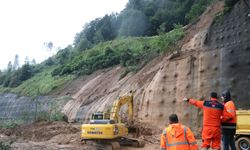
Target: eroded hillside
[(205, 63)]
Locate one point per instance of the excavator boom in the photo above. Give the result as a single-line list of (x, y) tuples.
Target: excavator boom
[(127, 99)]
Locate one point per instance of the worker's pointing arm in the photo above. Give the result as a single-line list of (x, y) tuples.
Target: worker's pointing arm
[(194, 102)]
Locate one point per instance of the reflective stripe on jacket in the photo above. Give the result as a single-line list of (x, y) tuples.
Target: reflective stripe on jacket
[(212, 111), (178, 137), (229, 118)]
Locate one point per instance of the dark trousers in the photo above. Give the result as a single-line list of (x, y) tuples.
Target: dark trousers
[(228, 140)]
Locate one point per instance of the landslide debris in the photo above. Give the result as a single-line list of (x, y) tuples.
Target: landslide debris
[(43, 135), (40, 131)]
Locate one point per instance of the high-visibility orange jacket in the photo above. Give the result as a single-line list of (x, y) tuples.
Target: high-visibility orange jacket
[(212, 111), (229, 118), (178, 137)]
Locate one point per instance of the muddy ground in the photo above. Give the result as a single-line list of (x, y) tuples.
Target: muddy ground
[(46, 135), (56, 135)]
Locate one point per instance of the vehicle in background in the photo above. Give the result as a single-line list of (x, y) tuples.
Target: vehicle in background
[(242, 137)]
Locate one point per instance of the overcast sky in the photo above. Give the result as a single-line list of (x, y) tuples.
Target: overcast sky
[(26, 24)]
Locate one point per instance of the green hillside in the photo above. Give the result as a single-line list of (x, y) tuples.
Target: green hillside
[(131, 52), (142, 31)]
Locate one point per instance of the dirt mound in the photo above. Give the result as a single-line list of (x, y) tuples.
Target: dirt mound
[(41, 131), (145, 129)]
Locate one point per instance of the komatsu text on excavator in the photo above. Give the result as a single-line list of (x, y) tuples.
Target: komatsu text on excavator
[(106, 128)]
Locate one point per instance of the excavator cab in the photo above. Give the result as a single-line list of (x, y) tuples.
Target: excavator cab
[(101, 118)]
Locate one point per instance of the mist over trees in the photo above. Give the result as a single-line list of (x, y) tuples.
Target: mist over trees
[(140, 18)]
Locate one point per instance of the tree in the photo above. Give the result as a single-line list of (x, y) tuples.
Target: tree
[(14, 79), (49, 45), (83, 44), (107, 28), (135, 4), (49, 62), (9, 67), (6, 77), (90, 29), (2, 77), (197, 9), (26, 60), (26, 72), (162, 28), (16, 62), (96, 31), (63, 55), (33, 62)]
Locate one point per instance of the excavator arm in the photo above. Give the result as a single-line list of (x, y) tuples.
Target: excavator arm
[(117, 105)]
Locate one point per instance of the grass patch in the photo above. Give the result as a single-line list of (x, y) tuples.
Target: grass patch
[(4, 89), (130, 52), (10, 124), (54, 110), (41, 84), (5, 146)]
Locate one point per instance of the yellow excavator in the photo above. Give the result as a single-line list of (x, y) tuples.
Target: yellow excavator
[(106, 129)]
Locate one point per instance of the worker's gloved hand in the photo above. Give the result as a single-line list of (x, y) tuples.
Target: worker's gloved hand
[(185, 99)]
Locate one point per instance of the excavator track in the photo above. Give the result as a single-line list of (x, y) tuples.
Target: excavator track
[(115, 146), (139, 143), (125, 141), (103, 145)]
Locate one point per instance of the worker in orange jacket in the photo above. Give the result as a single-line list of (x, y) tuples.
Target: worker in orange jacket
[(228, 120), (212, 112), (177, 136)]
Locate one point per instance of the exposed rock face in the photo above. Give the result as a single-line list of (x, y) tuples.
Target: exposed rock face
[(231, 37), (215, 58)]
